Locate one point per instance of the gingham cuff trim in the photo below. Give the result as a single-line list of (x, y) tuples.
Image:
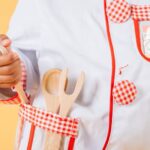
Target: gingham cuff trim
[(15, 99), (48, 121), (23, 76)]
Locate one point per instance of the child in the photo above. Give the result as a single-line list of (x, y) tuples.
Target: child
[(102, 38)]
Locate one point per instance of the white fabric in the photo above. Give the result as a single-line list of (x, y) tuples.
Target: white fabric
[(146, 38), (72, 34)]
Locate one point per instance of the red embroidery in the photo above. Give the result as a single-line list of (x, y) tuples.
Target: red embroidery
[(121, 69)]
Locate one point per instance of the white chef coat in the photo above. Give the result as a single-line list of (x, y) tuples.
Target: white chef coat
[(72, 34)]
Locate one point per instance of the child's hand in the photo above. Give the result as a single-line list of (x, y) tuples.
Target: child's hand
[(10, 65)]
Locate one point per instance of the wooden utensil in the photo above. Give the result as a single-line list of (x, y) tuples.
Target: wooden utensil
[(50, 87), (66, 101), (23, 98)]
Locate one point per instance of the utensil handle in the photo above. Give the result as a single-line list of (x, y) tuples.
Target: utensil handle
[(19, 133), (21, 93), (53, 141)]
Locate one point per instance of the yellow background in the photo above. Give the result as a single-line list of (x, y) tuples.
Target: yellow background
[(8, 114)]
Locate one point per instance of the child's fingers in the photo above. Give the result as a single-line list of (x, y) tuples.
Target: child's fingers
[(3, 37), (6, 43), (4, 40), (7, 85), (11, 68), (9, 79), (8, 59)]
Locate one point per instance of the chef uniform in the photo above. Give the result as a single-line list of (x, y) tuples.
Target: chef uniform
[(82, 35)]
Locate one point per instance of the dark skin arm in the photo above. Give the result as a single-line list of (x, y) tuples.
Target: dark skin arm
[(10, 69), (10, 65)]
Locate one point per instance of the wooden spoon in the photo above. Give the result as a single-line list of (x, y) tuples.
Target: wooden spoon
[(50, 87)]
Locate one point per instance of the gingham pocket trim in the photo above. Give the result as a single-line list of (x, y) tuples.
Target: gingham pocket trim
[(49, 121)]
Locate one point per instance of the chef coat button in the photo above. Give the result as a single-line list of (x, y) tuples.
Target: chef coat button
[(124, 92), (119, 11)]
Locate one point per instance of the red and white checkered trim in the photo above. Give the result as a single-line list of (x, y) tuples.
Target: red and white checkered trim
[(141, 13), (120, 11), (124, 92), (23, 76), (49, 121), (15, 99)]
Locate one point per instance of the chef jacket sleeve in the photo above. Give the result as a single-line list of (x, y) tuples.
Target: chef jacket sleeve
[(24, 33), (31, 75)]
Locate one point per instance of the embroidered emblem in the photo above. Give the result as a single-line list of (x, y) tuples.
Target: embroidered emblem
[(124, 92), (122, 68)]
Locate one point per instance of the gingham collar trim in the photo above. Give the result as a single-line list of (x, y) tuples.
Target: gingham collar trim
[(49, 121), (120, 11), (141, 13)]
